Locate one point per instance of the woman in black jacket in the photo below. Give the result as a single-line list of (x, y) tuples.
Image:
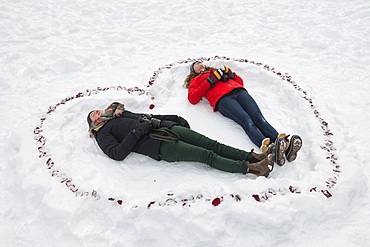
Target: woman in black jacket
[(119, 132)]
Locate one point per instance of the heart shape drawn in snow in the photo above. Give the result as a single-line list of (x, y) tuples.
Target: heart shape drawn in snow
[(327, 146)]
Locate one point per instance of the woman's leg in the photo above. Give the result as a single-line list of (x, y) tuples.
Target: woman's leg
[(251, 108), (194, 138), (182, 151), (229, 107)]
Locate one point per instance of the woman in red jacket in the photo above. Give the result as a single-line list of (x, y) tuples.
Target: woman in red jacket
[(226, 93)]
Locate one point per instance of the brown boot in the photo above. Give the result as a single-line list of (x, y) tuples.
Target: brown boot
[(262, 168), (256, 157)]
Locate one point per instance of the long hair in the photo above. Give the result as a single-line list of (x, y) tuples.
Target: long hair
[(193, 74)]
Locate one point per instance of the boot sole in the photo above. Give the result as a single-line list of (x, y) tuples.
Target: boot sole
[(295, 145), (280, 146)]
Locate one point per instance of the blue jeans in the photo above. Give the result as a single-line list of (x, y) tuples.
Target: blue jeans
[(241, 107)]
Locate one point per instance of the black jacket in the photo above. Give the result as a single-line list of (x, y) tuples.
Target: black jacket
[(116, 139)]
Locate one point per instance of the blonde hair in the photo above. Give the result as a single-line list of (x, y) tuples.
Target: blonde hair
[(193, 74)]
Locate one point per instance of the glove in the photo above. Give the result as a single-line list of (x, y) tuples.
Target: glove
[(183, 122), (155, 123), (143, 129), (214, 77), (227, 71)]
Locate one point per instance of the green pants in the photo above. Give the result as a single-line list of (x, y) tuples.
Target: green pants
[(195, 147)]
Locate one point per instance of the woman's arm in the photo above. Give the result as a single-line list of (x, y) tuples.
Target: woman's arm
[(119, 150), (238, 79), (198, 88), (174, 118), (114, 149)]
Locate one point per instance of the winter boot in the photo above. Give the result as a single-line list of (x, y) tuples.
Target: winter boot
[(283, 135), (293, 146), (262, 168), (280, 146), (256, 157), (264, 145)]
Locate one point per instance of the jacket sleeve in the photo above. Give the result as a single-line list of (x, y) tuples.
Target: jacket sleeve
[(174, 118), (114, 149), (198, 88), (239, 80)]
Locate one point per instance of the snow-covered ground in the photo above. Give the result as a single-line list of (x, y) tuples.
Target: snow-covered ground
[(306, 63)]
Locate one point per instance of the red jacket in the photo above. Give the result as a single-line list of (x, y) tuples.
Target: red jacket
[(200, 87)]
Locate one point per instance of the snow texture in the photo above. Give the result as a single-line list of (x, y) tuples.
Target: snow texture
[(306, 63)]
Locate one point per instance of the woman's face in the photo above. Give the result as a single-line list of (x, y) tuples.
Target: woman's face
[(199, 67), (96, 114)]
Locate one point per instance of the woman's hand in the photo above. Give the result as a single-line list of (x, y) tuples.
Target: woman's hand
[(227, 71), (142, 129), (214, 77)]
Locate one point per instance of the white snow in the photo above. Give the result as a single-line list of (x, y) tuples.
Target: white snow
[(307, 65)]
